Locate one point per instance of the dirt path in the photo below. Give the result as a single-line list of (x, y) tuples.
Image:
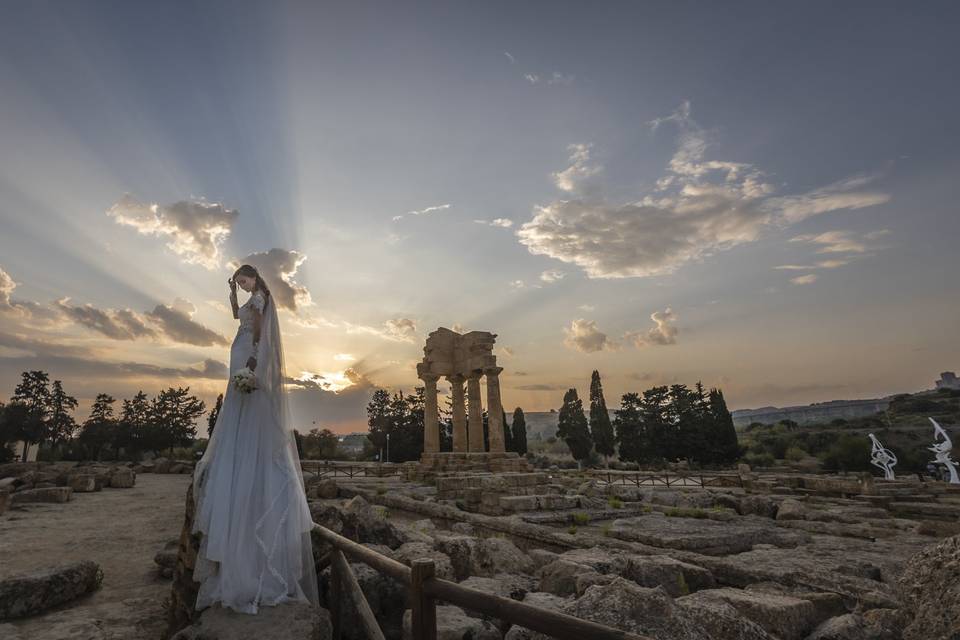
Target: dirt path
[(121, 529)]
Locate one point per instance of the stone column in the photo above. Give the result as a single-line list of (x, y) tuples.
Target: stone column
[(476, 412), (495, 410), (459, 414), (431, 424)]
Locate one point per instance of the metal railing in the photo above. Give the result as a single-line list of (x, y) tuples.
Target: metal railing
[(426, 589)]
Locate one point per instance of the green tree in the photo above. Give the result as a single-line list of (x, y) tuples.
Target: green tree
[(98, 429), (173, 417), (379, 419), (214, 414), (633, 443), (600, 427), (61, 424), (134, 424), (34, 392), (573, 428), (725, 444), (519, 432), (321, 444)]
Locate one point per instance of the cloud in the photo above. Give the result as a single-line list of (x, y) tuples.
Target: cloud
[(842, 241), (122, 324), (504, 223), (823, 264), (700, 207), (580, 170), (554, 78), (278, 268), (552, 275), (196, 229), (507, 351), (401, 328), (810, 278), (540, 387), (510, 57), (420, 212), (23, 309), (587, 307), (517, 284), (664, 331), (583, 335), (176, 322)]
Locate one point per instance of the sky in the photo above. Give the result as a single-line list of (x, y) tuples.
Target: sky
[(761, 196)]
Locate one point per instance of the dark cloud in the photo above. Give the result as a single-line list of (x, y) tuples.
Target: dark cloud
[(540, 387), (176, 322), (122, 324), (278, 268)]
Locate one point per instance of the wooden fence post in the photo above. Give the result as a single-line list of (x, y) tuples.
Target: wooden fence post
[(335, 600), (424, 608)]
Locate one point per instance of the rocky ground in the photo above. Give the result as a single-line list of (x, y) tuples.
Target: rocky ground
[(121, 530)]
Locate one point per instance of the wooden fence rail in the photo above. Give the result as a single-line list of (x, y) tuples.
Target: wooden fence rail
[(426, 589), (665, 479), (326, 470)]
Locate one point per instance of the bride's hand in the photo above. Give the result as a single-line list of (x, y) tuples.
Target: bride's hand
[(251, 363), (233, 286)]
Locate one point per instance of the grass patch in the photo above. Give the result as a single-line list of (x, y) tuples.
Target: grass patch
[(615, 502), (607, 530), (382, 512), (581, 518), (678, 512), (572, 530)]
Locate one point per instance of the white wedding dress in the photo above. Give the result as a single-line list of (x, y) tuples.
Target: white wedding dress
[(248, 487)]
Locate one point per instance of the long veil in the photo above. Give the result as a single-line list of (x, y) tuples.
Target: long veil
[(261, 540)]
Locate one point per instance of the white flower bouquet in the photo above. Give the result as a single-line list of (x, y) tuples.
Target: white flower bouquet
[(244, 380)]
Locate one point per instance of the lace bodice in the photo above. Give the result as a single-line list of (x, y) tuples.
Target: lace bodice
[(256, 301)]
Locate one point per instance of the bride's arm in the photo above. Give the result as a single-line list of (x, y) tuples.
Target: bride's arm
[(257, 323), (233, 299)]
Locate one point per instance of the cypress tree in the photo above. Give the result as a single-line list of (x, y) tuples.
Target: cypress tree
[(573, 428), (600, 428), (519, 432), (727, 447), (630, 432)]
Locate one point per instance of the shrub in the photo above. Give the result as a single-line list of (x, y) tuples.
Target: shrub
[(615, 502), (581, 518), (572, 530)]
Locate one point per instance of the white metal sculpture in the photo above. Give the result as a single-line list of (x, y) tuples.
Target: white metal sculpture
[(942, 450), (883, 458)]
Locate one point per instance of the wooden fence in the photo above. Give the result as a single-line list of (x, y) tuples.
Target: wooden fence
[(425, 589), (326, 469), (666, 479)]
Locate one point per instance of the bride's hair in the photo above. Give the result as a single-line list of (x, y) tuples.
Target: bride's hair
[(251, 272)]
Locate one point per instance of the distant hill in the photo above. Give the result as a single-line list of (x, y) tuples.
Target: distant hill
[(812, 413)]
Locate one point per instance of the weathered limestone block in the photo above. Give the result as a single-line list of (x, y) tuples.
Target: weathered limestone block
[(183, 591), (676, 577), (720, 620), (783, 616), (410, 551), (791, 510), (166, 559), (931, 591), (30, 593), (560, 577), (82, 482), (47, 494), (123, 478), (286, 621), (453, 623), (322, 490)]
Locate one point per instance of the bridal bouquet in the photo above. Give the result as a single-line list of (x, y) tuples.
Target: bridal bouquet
[(244, 380)]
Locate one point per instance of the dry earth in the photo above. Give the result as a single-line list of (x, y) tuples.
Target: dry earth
[(122, 530)]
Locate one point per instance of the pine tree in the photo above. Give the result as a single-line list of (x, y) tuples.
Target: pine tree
[(519, 432), (378, 419), (633, 444), (33, 392), (600, 428), (98, 429), (573, 428), (656, 425), (61, 424), (135, 422)]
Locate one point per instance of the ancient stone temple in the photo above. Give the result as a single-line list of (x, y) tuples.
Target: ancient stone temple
[(464, 358)]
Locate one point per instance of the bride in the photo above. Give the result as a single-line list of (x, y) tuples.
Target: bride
[(248, 487)]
